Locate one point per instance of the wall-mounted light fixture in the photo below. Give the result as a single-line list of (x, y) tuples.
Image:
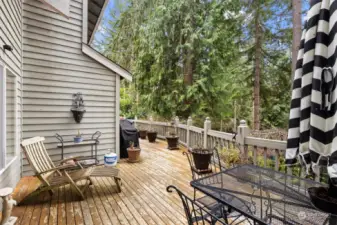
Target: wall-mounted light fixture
[(7, 47)]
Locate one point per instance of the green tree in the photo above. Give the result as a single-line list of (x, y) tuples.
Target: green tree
[(266, 43), (205, 58)]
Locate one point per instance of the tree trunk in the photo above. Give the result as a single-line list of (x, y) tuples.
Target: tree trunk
[(297, 30), (188, 70), (188, 81), (235, 117), (258, 55)]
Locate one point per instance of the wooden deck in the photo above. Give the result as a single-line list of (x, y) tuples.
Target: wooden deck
[(143, 199)]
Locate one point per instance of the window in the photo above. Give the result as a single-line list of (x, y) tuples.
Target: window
[(8, 112)]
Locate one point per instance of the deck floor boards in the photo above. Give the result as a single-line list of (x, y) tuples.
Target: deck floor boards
[(143, 200)]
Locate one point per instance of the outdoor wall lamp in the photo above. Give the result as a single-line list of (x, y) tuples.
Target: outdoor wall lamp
[(7, 47)]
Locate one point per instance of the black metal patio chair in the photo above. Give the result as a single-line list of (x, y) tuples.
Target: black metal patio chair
[(195, 212), (215, 166)]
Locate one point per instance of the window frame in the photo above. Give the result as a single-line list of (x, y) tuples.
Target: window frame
[(3, 137), (5, 71)]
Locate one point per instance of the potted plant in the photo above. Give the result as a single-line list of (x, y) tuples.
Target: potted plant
[(152, 135), (78, 138), (142, 134), (133, 153), (78, 107), (201, 158), (172, 141)]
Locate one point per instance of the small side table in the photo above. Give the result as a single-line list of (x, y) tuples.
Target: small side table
[(7, 206), (93, 142)]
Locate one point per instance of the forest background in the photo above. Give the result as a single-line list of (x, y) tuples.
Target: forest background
[(228, 60)]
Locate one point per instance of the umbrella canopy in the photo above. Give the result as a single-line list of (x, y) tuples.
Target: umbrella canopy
[(312, 133)]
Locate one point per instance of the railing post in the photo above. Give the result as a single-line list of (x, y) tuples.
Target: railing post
[(176, 124), (135, 122), (243, 131), (7, 205), (189, 124), (151, 121), (207, 126)]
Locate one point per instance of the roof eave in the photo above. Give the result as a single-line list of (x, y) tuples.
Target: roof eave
[(92, 53), (106, 2)]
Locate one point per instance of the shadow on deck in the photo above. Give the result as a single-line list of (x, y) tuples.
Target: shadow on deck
[(143, 199)]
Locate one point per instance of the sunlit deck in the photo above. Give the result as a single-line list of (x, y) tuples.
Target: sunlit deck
[(143, 199)]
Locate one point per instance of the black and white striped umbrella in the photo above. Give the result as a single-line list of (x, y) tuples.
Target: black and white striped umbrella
[(312, 134)]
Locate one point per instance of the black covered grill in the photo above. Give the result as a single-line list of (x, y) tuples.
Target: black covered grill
[(128, 133)]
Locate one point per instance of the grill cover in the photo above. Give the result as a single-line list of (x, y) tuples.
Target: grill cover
[(128, 133)]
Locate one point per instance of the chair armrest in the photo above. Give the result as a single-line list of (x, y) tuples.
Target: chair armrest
[(58, 168)]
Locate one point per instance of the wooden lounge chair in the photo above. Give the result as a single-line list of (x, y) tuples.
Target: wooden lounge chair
[(52, 176)]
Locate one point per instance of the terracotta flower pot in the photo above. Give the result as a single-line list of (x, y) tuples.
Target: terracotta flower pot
[(151, 136), (142, 134), (201, 158), (172, 142), (133, 154)]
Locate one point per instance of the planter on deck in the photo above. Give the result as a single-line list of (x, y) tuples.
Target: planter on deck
[(202, 158), (133, 154), (142, 134), (151, 136), (172, 142)]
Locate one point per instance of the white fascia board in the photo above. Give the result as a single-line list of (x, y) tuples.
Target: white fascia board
[(106, 62), (85, 22)]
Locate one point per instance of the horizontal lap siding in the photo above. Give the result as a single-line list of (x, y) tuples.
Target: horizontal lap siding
[(11, 34), (54, 69)]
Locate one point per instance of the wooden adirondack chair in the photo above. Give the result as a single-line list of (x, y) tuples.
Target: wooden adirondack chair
[(52, 176)]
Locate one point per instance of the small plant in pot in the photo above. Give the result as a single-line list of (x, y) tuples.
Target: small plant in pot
[(172, 141), (133, 153), (152, 135), (142, 134), (202, 159), (78, 138)]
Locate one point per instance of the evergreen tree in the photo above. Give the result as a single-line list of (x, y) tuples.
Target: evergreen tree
[(214, 58)]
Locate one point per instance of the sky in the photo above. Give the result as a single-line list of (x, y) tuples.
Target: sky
[(112, 5)]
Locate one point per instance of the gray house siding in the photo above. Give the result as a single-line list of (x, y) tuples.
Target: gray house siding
[(54, 68), (11, 34)]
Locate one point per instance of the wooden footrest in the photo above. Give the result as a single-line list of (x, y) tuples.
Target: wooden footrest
[(104, 172)]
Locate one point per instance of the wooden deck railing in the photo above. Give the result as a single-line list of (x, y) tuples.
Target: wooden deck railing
[(259, 151)]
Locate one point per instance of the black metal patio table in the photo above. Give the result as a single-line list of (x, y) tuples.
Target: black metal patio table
[(263, 196)]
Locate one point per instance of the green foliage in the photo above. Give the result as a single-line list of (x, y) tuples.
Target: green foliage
[(126, 103), (230, 156), (196, 58), (129, 106)]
